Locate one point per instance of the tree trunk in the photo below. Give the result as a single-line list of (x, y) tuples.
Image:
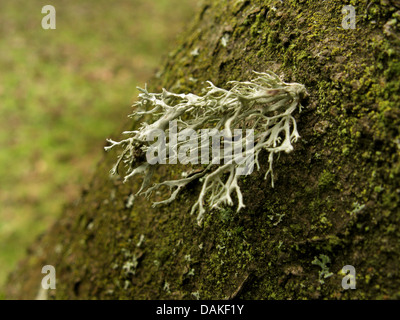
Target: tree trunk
[(335, 200)]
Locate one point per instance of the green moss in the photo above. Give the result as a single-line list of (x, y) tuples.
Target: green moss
[(326, 179)]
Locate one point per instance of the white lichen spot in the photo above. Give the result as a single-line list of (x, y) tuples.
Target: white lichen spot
[(166, 287), (141, 240), (188, 258), (184, 174), (196, 294), (357, 208), (195, 52), (191, 273), (129, 202), (129, 267), (225, 39)]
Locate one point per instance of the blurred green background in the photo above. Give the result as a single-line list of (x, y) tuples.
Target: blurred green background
[(62, 93)]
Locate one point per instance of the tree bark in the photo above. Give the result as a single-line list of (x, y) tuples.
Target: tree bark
[(336, 195)]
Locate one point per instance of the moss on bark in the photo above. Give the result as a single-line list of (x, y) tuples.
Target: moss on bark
[(337, 194)]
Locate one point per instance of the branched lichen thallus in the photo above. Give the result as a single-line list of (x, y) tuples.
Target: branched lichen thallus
[(263, 106)]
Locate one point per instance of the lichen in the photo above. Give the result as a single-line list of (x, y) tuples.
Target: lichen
[(264, 105), (322, 262)]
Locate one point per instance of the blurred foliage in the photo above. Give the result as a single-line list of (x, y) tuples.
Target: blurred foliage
[(62, 92)]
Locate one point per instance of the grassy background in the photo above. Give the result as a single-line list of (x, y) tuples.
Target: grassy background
[(62, 92)]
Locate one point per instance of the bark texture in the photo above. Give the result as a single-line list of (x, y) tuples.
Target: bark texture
[(336, 195)]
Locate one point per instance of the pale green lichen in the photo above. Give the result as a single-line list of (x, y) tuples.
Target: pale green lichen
[(322, 262), (262, 106)]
